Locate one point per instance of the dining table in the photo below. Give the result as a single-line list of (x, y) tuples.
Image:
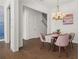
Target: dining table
[(53, 39), (54, 35)]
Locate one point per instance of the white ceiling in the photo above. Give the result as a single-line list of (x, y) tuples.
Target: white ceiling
[(50, 3), (46, 3), (2, 2)]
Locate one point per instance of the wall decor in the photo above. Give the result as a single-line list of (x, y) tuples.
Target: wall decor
[(68, 19), (1, 22)]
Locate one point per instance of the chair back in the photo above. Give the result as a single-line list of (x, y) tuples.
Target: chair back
[(42, 37), (62, 40), (48, 38), (72, 36)]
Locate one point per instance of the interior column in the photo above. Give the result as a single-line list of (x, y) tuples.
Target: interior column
[(14, 25)]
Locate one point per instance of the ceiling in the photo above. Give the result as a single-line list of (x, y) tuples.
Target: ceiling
[(2, 2), (46, 3), (50, 3)]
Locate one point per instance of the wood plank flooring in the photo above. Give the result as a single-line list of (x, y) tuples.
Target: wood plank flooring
[(31, 50)]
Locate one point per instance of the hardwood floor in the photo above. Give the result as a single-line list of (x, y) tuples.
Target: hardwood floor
[(31, 50)]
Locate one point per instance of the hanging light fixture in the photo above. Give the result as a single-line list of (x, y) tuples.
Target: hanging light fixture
[(58, 15)]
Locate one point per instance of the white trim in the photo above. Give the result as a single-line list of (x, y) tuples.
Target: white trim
[(75, 42)]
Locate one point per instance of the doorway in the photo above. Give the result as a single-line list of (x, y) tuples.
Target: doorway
[(9, 24), (35, 22)]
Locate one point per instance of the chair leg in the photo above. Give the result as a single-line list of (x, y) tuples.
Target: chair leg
[(42, 45), (52, 45), (49, 46), (66, 51), (69, 50), (53, 48), (71, 45), (59, 51)]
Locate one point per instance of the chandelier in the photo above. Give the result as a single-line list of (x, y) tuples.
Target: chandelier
[(58, 15)]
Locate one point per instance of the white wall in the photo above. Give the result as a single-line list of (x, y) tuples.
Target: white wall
[(33, 25), (35, 5), (68, 8)]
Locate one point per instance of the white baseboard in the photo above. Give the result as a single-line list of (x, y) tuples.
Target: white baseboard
[(30, 38), (75, 42)]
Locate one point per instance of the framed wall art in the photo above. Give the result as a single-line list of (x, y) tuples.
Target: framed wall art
[(68, 19)]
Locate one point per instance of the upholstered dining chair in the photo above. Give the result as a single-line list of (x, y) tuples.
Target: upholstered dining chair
[(42, 38), (45, 39), (62, 41), (49, 40), (71, 38)]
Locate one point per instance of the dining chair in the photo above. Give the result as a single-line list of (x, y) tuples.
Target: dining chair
[(45, 39), (71, 38), (49, 39), (42, 39), (62, 41)]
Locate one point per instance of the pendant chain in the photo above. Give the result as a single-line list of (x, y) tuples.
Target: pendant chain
[(58, 5)]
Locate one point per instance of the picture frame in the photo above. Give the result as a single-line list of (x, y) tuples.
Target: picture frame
[(68, 19)]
